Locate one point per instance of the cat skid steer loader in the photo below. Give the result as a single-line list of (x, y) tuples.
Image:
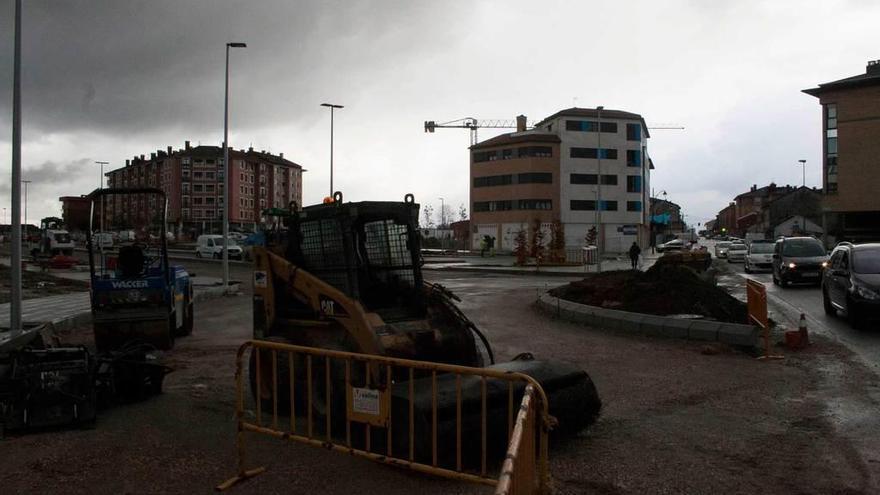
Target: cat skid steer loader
[(347, 276)]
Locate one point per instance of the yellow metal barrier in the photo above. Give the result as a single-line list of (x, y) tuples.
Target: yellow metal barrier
[(381, 394)]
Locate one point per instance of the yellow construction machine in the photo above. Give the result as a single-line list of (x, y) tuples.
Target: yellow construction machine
[(347, 276)]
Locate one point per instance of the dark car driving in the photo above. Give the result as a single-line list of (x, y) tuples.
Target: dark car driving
[(798, 260), (852, 283)]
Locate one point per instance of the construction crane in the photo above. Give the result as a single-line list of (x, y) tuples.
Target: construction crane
[(472, 124)]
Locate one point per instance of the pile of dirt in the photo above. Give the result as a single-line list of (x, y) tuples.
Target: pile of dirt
[(38, 284), (662, 290)]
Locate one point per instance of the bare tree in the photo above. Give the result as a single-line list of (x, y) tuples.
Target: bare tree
[(462, 212), (428, 213)]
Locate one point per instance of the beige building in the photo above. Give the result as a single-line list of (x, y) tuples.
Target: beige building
[(582, 167), (851, 156)]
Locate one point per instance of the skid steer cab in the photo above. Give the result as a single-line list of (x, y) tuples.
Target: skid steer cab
[(348, 277), (136, 295)]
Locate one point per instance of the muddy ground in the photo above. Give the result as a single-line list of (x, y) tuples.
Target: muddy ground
[(38, 284), (661, 290), (676, 418)]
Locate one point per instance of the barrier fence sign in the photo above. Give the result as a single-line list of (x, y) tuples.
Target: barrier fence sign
[(756, 301), (368, 405)]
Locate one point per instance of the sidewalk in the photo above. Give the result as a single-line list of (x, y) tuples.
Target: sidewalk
[(75, 308), (506, 264)]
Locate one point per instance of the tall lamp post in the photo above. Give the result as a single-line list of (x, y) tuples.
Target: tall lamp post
[(15, 253), (442, 212), (226, 168), (101, 187), (600, 237), (803, 171), (332, 107), (25, 182)]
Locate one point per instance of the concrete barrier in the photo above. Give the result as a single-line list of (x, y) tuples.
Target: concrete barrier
[(651, 325)]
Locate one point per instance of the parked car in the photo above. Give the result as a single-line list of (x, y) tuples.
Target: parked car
[(798, 259), (673, 245), (736, 253), (721, 249), (760, 256), (211, 246), (852, 283)]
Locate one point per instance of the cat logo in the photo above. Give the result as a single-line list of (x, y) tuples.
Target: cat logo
[(329, 307)]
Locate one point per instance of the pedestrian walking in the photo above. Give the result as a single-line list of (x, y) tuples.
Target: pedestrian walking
[(484, 244), (634, 252)]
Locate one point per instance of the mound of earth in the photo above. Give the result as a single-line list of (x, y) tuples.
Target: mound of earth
[(37, 284), (662, 290)]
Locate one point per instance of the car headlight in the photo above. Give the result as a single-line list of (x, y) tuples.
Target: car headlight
[(866, 293), (824, 264), (792, 265)]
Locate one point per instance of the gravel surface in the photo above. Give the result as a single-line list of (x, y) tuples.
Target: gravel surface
[(678, 417)]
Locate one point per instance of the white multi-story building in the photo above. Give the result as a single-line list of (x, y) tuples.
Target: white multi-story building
[(582, 167)]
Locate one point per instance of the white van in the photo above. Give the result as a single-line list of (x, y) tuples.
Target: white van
[(211, 246)]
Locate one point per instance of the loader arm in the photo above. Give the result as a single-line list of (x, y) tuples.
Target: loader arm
[(325, 300)]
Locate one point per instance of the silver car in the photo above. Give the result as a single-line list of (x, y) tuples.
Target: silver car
[(721, 249), (736, 253), (760, 256)]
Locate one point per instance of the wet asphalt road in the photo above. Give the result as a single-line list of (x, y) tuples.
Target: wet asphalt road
[(788, 303)]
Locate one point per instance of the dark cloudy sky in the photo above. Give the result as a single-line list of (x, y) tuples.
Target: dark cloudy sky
[(108, 80)]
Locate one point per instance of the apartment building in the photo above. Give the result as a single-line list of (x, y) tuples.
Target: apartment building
[(582, 167), (193, 180), (850, 147)]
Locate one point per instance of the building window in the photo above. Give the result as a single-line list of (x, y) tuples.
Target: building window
[(186, 213), (633, 158), (209, 188), (209, 200), (184, 174), (534, 178), (609, 180), (604, 153), (583, 179), (535, 151), (493, 180), (197, 175), (209, 161), (209, 175), (502, 205), (485, 156), (185, 187), (606, 205), (590, 126), (633, 184), (197, 200), (582, 205), (633, 206), (633, 132), (831, 148), (534, 204), (185, 201), (185, 160), (198, 188), (507, 154)]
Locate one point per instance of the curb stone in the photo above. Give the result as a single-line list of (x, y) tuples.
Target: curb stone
[(650, 325)]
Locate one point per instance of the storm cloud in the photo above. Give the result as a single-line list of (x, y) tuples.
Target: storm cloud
[(109, 80)]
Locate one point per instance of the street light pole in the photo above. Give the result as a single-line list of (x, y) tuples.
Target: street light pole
[(15, 254), (442, 213), (804, 171), (101, 187), (226, 168), (25, 182), (600, 237), (332, 107)]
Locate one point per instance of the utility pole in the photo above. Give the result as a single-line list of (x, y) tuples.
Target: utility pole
[(226, 169), (804, 171), (442, 213), (600, 235), (15, 255), (25, 182), (101, 187), (332, 107)]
